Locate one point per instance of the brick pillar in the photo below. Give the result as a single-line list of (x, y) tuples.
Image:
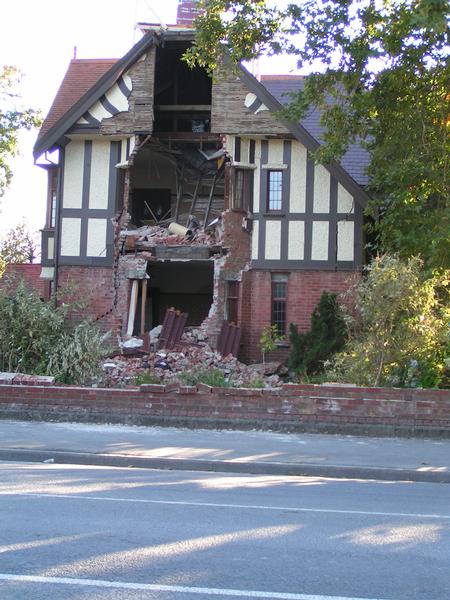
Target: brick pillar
[(187, 12)]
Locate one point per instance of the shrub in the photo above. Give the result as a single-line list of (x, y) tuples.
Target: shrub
[(327, 335), (149, 378), (36, 338), (256, 384), (269, 339), (77, 354), (212, 377), (399, 330)]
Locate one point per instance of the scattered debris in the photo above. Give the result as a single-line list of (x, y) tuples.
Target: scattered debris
[(23, 379), (150, 236), (167, 366)]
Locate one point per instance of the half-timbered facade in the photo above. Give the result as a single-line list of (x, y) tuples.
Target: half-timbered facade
[(143, 142)]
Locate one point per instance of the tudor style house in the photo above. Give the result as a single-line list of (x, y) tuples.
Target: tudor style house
[(137, 147)]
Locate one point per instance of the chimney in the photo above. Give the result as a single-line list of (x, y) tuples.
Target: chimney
[(187, 12)]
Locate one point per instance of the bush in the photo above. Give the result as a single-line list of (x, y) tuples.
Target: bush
[(399, 330), (212, 377), (146, 378), (269, 339), (36, 338), (77, 354), (327, 335)]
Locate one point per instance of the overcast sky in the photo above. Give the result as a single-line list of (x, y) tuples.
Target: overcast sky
[(39, 38)]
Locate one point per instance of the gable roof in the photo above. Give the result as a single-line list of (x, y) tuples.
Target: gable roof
[(355, 161), (81, 75), (65, 112), (57, 129)]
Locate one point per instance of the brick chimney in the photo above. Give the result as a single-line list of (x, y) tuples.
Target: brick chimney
[(187, 11)]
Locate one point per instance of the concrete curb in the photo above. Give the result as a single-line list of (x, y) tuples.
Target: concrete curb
[(224, 466)]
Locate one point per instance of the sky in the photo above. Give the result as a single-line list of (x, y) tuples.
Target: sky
[(39, 38)]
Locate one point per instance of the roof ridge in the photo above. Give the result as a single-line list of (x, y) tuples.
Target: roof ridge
[(77, 60)]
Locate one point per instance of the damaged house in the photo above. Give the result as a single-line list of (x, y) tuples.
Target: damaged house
[(173, 190)]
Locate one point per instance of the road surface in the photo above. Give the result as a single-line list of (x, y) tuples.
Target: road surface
[(78, 532)]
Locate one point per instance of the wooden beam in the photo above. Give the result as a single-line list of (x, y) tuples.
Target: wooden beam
[(143, 304), (132, 309), (183, 107)]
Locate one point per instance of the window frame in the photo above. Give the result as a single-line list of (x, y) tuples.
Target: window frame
[(52, 196), (246, 191), (278, 314), (270, 190), (232, 300)]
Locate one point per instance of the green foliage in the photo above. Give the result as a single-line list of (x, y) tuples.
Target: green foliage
[(18, 246), (13, 118), (146, 378), (256, 384), (379, 74), (399, 329), (77, 354), (269, 339), (327, 336), (212, 377), (36, 338)]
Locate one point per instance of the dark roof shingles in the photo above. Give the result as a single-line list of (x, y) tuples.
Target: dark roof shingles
[(355, 161)]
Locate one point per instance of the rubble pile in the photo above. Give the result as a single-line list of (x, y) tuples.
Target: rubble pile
[(150, 236), (165, 366)]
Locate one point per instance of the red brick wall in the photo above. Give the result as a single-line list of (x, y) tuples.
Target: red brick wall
[(304, 291), (94, 286), (29, 273), (296, 407)]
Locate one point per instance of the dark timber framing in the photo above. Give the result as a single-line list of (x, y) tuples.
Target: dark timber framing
[(85, 213), (308, 217), (302, 135)]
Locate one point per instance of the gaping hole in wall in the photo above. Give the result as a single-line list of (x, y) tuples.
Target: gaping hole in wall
[(177, 181), (185, 285), (182, 95)]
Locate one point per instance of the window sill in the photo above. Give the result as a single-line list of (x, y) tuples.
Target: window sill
[(274, 213)]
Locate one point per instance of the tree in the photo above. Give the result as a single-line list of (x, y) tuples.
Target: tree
[(398, 329), (327, 336), (18, 246), (13, 118), (380, 74)]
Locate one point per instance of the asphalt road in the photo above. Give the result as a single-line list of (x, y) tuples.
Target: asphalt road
[(115, 534)]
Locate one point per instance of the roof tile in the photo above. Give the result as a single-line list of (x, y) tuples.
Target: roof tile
[(81, 75)]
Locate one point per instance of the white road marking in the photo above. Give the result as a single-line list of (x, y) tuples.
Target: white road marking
[(179, 589), (223, 505)]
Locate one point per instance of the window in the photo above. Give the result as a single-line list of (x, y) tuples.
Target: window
[(279, 302), (52, 196), (232, 301), (274, 190), (243, 189)]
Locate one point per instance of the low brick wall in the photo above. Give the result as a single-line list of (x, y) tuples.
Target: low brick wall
[(314, 408)]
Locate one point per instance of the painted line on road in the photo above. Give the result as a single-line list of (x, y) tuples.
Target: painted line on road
[(180, 589), (233, 506)]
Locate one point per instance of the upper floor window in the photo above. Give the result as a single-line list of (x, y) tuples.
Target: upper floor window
[(243, 189), (274, 190), (52, 196)]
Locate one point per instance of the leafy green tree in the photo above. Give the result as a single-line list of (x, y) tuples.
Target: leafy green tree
[(18, 246), (398, 329), (327, 336), (380, 74), (13, 118)]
